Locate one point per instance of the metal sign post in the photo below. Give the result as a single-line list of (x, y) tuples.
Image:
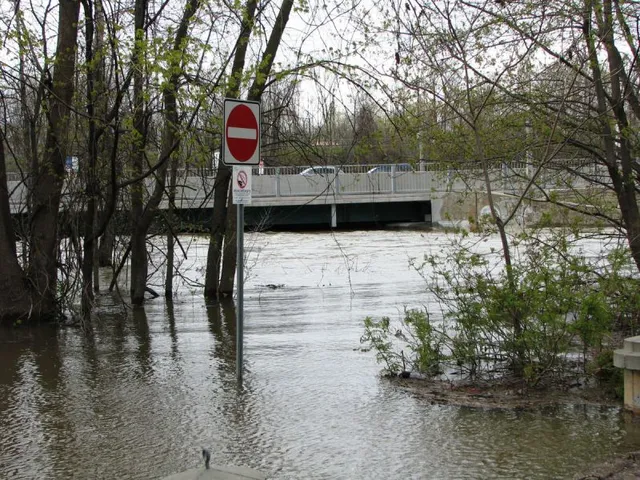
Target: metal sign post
[(241, 148), (241, 192), (240, 279)]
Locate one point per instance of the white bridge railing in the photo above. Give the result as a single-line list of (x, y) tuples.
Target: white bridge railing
[(279, 185), (283, 185)]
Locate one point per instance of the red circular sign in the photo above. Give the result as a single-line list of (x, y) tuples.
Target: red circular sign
[(242, 133)]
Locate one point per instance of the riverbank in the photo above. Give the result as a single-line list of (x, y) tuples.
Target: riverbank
[(623, 467), (504, 395)]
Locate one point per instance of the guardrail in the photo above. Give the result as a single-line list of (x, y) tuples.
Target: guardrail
[(194, 188), (274, 182)]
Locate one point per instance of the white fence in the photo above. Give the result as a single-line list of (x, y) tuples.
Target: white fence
[(276, 184), (346, 184)]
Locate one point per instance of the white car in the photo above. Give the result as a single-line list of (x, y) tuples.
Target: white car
[(388, 168), (326, 170)]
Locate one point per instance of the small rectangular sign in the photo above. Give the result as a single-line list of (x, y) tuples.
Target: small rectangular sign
[(241, 185)]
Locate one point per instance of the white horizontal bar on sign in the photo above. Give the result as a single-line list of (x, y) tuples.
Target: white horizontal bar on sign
[(245, 133)]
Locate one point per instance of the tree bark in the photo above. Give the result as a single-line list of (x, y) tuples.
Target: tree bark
[(15, 300), (168, 284), (107, 239), (91, 174), (626, 190), (49, 174), (138, 240), (107, 243), (229, 260)]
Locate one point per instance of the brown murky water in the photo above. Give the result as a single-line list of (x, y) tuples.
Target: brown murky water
[(154, 386)]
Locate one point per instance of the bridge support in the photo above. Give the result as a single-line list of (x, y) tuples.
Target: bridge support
[(628, 358), (334, 216), (393, 179)]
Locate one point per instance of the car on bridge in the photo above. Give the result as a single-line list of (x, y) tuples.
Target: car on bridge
[(326, 170), (388, 168)]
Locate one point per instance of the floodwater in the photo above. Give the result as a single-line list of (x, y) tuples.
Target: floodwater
[(152, 387)]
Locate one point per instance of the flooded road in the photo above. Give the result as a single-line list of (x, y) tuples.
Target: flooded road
[(154, 386)]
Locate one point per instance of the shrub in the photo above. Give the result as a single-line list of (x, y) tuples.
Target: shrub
[(416, 334), (610, 378), (521, 321)]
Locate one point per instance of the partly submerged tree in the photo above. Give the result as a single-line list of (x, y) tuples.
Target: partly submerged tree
[(221, 259), (170, 141), (30, 293)]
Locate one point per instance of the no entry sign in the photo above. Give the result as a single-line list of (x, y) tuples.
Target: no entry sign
[(241, 132)]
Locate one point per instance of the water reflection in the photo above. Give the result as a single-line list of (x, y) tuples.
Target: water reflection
[(173, 333), (19, 392), (143, 338), (222, 325)]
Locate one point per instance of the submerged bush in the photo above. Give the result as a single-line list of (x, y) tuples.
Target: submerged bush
[(521, 322), (417, 335), (377, 337), (610, 378)]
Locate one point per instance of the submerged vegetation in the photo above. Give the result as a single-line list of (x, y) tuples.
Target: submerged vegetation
[(551, 315)]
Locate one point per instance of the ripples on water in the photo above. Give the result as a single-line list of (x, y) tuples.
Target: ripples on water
[(151, 388)]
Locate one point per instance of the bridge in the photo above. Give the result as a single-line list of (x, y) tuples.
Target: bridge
[(350, 195)]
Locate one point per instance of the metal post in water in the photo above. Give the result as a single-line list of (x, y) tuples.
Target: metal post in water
[(240, 281)]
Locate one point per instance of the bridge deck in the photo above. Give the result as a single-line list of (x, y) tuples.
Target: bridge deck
[(278, 190), (285, 186)]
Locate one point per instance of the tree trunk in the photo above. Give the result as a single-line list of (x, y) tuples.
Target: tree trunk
[(229, 258), (29, 121), (49, 174), (617, 147), (212, 288), (223, 173), (15, 301), (515, 317), (218, 221), (91, 174), (170, 143), (139, 266), (168, 284), (138, 238), (107, 239), (620, 82), (107, 243)]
